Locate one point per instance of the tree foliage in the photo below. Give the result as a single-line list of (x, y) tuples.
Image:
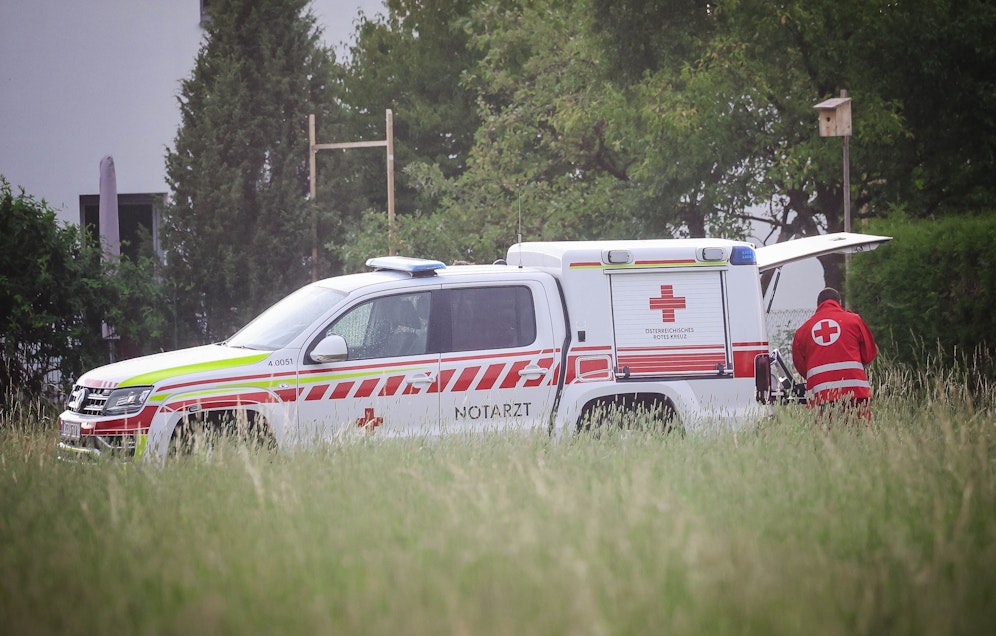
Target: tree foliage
[(56, 291), (567, 120), (933, 288), (641, 117), (238, 233), (51, 290)]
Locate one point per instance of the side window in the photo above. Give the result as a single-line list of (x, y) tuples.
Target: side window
[(492, 318), (385, 327)]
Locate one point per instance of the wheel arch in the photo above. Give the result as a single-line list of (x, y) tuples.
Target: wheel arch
[(259, 407)]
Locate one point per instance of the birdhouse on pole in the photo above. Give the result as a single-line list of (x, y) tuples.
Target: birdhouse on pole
[(835, 117)]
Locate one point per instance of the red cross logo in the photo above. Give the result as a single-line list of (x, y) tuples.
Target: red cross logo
[(667, 303), (368, 421), (826, 332)]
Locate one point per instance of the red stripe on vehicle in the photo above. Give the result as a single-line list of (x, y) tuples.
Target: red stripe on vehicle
[(367, 388), (743, 362), (640, 365), (491, 375), (317, 392), (676, 348), (288, 395), (680, 261), (341, 390), (466, 379), (487, 357), (228, 380), (134, 424), (444, 379), (512, 378), (391, 386), (545, 363)]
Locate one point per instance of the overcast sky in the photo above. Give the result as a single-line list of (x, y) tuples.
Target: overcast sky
[(338, 18)]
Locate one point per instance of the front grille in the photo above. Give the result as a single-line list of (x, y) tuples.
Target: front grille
[(88, 401)]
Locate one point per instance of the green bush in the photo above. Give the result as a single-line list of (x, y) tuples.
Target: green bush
[(51, 296), (932, 290), (56, 290)]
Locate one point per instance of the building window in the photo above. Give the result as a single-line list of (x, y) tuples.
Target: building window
[(205, 12), (138, 220)]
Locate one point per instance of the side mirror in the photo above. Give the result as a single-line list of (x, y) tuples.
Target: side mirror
[(329, 349)]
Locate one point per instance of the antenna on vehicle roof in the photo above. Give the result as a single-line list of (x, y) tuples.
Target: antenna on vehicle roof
[(518, 198)]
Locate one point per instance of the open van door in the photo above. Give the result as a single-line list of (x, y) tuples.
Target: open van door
[(773, 256)]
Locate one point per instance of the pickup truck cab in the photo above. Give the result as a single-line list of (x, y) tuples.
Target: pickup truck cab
[(542, 340)]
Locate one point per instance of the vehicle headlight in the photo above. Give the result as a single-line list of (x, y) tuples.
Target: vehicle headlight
[(126, 401)]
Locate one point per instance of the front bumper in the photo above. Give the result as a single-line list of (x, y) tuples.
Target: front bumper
[(80, 442)]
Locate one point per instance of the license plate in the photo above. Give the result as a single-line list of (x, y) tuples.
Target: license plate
[(70, 430)]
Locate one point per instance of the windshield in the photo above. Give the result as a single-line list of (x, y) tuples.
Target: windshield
[(276, 327)]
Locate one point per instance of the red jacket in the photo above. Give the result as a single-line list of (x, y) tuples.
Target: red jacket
[(831, 350)]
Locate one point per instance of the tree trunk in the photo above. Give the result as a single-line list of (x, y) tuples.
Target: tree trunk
[(833, 271)]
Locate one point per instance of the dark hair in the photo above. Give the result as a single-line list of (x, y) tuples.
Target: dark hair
[(828, 293)]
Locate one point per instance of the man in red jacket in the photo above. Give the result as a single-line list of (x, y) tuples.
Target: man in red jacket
[(831, 350)]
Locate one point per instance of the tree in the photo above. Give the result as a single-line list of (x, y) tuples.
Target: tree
[(920, 73), (53, 295), (412, 61), (238, 232), (56, 291), (937, 59), (931, 292), (687, 117), (547, 144)]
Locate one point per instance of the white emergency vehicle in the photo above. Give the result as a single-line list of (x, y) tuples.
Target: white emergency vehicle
[(543, 340)]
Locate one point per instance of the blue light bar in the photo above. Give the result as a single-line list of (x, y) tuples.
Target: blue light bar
[(413, 266), (743, 255)]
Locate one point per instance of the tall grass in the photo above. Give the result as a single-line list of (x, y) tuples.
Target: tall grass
[(783, 528)]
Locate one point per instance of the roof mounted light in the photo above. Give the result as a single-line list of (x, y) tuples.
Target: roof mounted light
[(617, 257), (712, 254), (743, 255), (414, 266)]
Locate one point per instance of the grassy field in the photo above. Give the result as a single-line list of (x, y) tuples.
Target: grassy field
[(785, 528)]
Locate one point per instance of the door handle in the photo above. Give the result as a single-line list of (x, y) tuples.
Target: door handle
[(420, 379), (533, 371)]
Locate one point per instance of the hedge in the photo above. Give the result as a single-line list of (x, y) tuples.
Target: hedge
[(932, 289)]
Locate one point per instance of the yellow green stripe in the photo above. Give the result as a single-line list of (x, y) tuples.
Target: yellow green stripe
[(200, 367), (141, 445)]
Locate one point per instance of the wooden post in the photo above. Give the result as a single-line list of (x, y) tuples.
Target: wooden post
[(390, 183), (314, 147), (311, 197), (835, 121), (847, 176)]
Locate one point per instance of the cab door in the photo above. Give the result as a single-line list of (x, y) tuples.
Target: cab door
[(385, 386), (497, 358)]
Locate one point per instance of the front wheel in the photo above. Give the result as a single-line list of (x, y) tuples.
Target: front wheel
[(205, 432)]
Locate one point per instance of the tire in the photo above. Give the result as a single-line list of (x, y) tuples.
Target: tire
[(648, 414), (205, 432)]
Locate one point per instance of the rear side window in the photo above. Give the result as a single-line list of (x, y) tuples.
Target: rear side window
[(490, 318)]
